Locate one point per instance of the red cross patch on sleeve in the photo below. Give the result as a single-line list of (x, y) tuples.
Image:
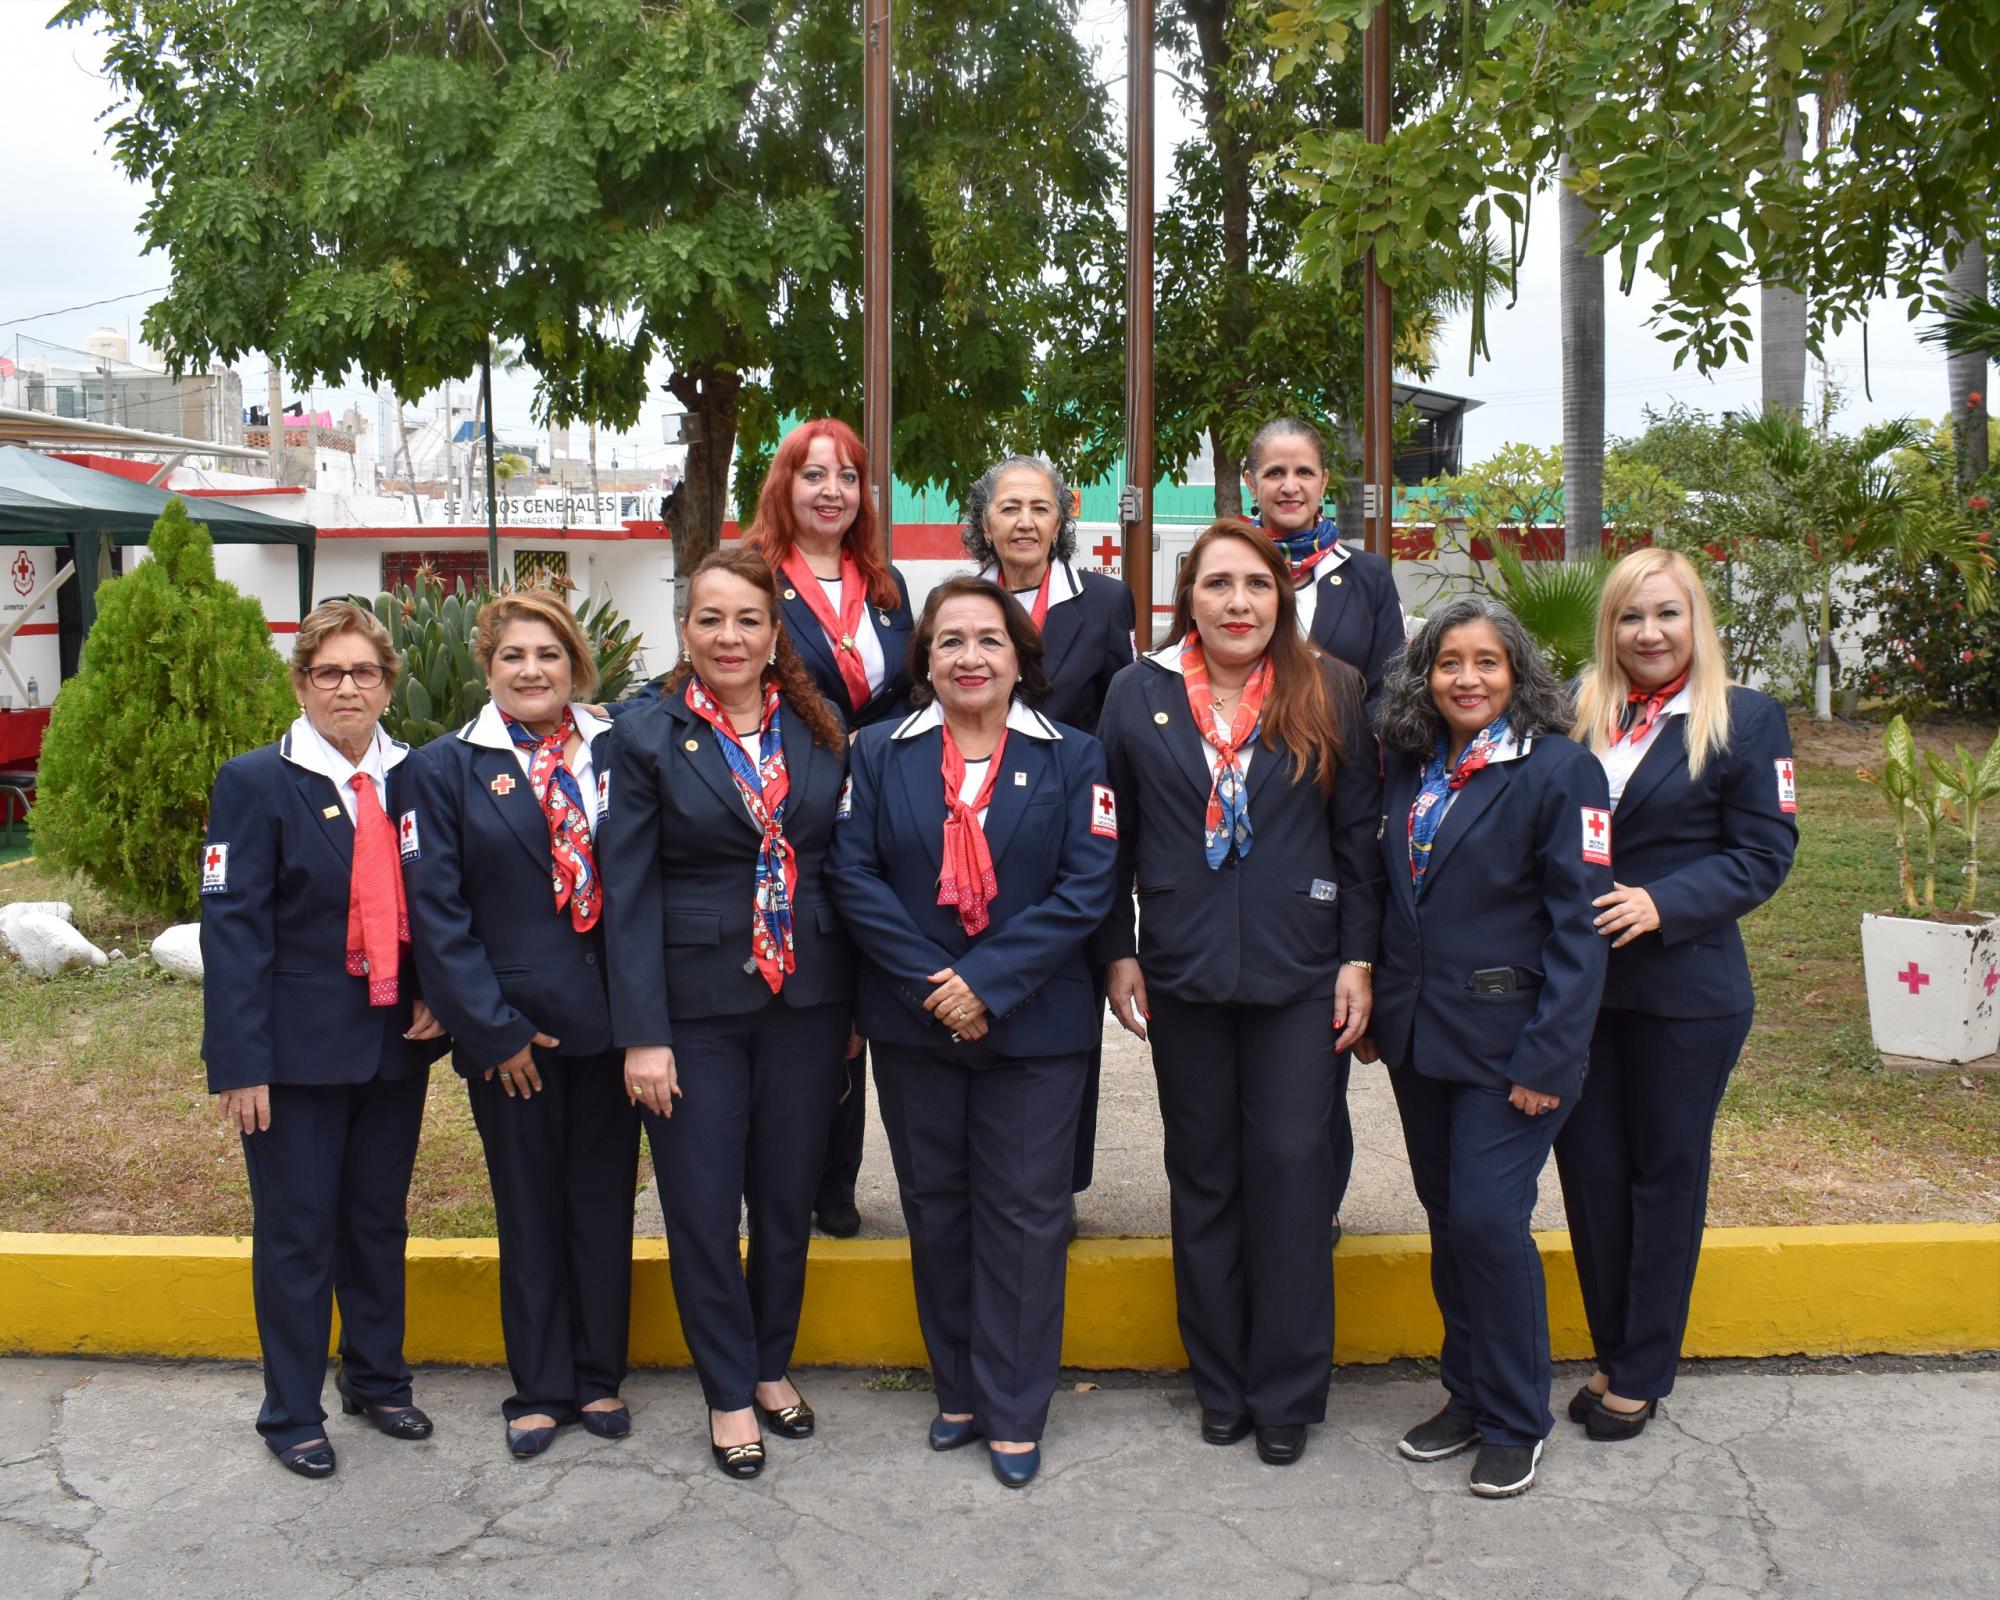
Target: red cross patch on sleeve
[(1103, 811), (406, 837), (1788, 788), (1597, 836), (215, 869)]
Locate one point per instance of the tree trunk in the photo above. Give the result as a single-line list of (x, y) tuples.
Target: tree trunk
[(1582, 376), (1210, 20), (694, 513), (1781, 344), (1966, 375)]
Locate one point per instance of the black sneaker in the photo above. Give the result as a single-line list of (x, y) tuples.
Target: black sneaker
[(1504, 1470), (1445, 1434)]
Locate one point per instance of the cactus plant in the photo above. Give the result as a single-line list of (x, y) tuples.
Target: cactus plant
[(441, 687)]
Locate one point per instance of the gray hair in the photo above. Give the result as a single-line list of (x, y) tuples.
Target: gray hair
[(1283, 428), (979, 501), (1409, 720)]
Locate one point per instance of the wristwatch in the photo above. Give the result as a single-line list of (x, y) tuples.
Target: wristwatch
[(1365, 966)]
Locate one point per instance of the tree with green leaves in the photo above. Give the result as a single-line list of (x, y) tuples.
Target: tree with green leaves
[(605, 183), (178, 675)]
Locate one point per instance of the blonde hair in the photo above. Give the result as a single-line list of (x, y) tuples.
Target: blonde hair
[(536, 605), (1604, 688), (331, 618)]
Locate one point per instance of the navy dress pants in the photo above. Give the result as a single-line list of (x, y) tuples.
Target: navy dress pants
[(984, 1148), (1245, 1093), (757, 1090), (564, 1167), (1340, 1130), (329, 1185), (1085, 1166), (1475, 1161), (1634, 1167), (840, 1162)]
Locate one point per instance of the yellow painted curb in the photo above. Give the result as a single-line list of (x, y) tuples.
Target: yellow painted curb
[(1926, 1289)]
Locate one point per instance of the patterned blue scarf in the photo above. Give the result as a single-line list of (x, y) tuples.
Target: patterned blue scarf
[(1304, 548), (1427, 810)]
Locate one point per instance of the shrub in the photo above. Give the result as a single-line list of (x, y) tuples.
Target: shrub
[(442, 687), (178, 675)]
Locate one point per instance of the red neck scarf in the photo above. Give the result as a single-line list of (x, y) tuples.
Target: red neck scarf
[(572, 862), (965, 877), (763, 782), (843, 631), (1040, 609), (378, 923), (1643, 707), (1226, 824)]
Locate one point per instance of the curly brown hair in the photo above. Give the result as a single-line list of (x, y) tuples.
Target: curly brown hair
[(794, 682), (1033, 686)]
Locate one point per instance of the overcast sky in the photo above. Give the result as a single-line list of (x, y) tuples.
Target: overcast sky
[(70, 223)]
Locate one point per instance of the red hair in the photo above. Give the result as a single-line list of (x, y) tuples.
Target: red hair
[(774, 535)]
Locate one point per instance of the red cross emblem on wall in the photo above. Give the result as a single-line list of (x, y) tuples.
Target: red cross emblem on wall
[(24, 573), (1107, 550)]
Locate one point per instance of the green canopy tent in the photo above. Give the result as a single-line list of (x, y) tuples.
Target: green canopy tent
[(51, 502)]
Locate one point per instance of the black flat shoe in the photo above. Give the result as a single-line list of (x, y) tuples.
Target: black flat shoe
[(1608, 1426), (838, 1222), (1582, 1403), (738, 1460), (788, 1422), (1016, 1469), (949, 1435), (311, 1460), (524, 1444), (607, 1424), (1223, 1427), (1281, 1446), (398, 1422)]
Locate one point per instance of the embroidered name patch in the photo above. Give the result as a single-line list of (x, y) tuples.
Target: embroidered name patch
[(1788, 788), (1597, 836), (215, 869), (406, 836), (1103, 812)]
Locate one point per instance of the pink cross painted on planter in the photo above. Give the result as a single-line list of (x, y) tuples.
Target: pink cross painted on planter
[(1911, 976), (1992, 979)]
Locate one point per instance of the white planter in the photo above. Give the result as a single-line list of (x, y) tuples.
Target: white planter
[(1933, 987)]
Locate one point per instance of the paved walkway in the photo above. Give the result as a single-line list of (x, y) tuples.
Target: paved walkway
[(134, 1481), (1129, 1197)]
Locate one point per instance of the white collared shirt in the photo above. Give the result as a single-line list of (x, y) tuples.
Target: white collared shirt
[(1021, 719), (873, 662), (1622, 759), (1307, 593), (305, 747), (1064, 585), (490, 733), (1169, 656)]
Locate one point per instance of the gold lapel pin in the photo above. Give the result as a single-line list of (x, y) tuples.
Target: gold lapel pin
[(691, 746), (331, 812), (1334, 579), (791, 594), (1160, 717)]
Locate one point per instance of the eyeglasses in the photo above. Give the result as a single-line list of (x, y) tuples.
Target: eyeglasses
[(366, 675)]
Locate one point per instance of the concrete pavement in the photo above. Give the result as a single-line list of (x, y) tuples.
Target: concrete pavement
[(135, 1481)]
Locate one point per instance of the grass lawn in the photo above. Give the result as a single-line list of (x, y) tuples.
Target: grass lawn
[(105, 1125)]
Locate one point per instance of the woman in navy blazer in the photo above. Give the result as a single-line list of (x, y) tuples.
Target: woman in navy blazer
[(316, 1042), (848, 612), (1347, 605), (1495, 840), (1242, 761), (731, 981), (972, 861), (1021, 534), (1705, 812), (505, 811)]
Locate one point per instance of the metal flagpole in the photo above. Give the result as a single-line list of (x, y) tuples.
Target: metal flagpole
[(1377, 412), (1135, 508), (877, 413)]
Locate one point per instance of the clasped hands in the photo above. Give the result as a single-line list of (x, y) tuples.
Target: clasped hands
[(954, 1004)]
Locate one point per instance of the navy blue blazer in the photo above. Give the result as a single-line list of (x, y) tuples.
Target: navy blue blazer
[(679, 856), (1263, 929), (892, 628), (1358, 617), (499, 963), (1507, 886), (278, 1005), (1086, 642), (1051, 829), (1709, 851)]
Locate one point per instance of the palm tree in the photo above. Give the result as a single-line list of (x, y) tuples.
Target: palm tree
[(1965, 367), (1583, 372), (1781, 341)]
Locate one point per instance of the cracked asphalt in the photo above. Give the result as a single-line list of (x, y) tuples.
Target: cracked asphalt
[(142, 1480)]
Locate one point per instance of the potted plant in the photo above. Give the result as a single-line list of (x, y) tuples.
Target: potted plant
[(1933, 975)]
